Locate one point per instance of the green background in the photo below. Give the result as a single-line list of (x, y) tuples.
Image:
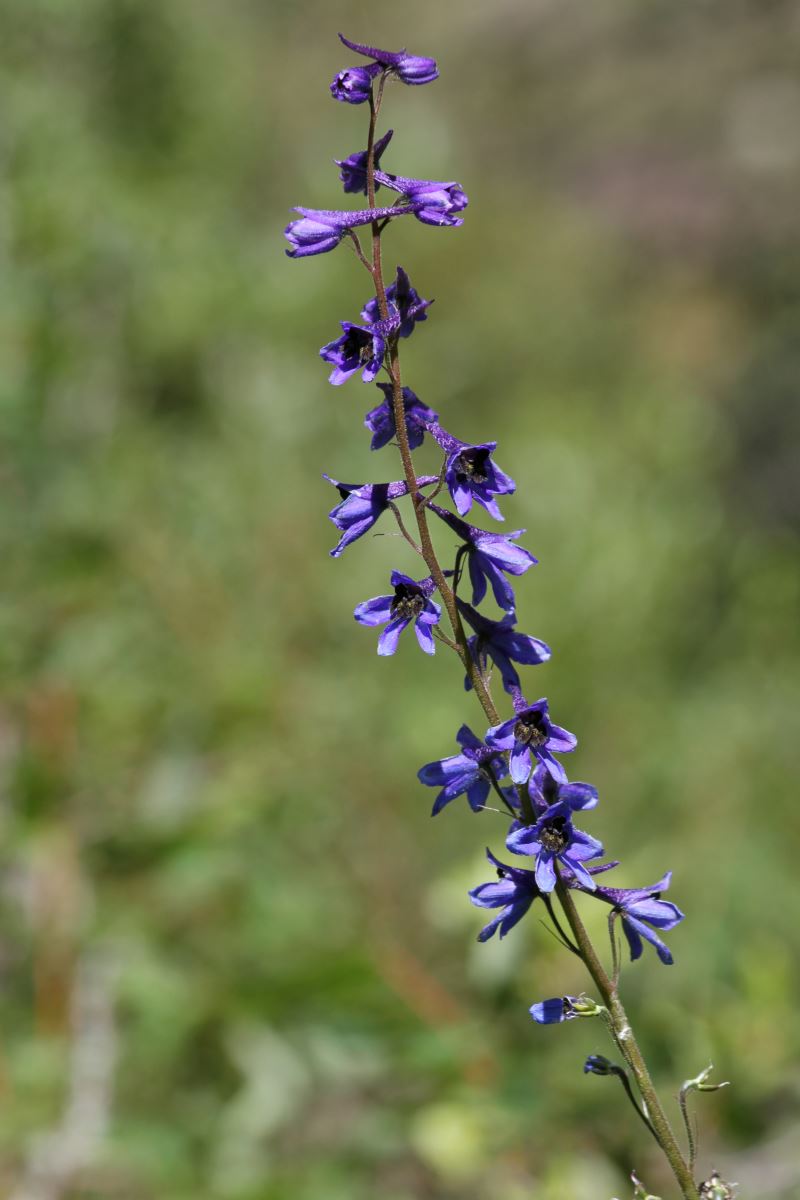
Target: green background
[(237, 959)]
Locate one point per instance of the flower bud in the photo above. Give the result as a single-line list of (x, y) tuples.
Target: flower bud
[(354, 84), (564, 1008), (598, 1064)]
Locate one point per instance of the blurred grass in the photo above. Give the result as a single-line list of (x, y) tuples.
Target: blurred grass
[(209, 777)]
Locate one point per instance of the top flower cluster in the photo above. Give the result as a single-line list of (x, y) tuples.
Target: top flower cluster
[(432, 201), (354, 84)]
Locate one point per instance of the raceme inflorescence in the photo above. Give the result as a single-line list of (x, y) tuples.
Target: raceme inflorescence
[(518, 763)]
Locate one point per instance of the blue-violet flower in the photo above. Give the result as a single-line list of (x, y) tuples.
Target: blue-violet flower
[(531, 734), (353, 85), (411, 602), (405, 299), (434, 200), (380, 419), (360, 348), (545, 791), (490, 554), (513, 893), (354, 168), (640, 908), (501, 642), (564, 1008), (319, 230), (362, 504), (410, 68), (467, 773), (471, 474), (555, 839)]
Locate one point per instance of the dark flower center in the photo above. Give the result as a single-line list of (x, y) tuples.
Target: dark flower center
[(357, 344), (555, 835), (530, 730), (471, 465), (407, 602)]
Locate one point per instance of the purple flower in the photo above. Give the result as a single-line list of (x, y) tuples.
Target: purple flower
[(354, 168), (531, 734), (354, 84), (362, 504), (319, 230), (501, 642), (640, 908), (490, 554), (411, 602), (434, 201), (405, 300), (555, 839), (467, 773), (545, 791), (410, 68), (563, 1008), (513, 893), (471, 474), (360, 348), (381, 418)]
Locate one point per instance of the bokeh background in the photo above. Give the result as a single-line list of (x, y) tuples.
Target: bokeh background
[(237, 959)]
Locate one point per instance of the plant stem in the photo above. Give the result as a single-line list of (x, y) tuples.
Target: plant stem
[(628, 1046), (620, 1025)]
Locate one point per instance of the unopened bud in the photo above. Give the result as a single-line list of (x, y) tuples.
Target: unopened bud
[(598, 1064)]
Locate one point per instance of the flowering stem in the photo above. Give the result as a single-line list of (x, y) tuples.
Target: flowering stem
[(426, 545), (628, 1046), (620, 1025)]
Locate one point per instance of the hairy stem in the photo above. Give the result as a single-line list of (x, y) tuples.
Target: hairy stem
[(689, 1125)]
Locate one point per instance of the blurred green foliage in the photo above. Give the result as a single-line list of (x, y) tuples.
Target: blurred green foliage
[(209, 777)]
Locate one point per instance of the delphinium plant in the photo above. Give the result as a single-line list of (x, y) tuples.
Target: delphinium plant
[(518, 762)]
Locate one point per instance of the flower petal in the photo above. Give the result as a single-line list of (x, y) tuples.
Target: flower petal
[(374, 612), (387, 642), (561, 740), (424, 637), (545, 871), (501, 737), (579, 795), (520, 763), (549, 1012), (633, 928), (493, 895)]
